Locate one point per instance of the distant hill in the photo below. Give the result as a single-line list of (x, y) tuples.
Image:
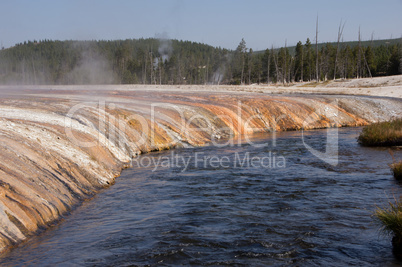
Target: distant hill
[(162, 61), (145, 61)]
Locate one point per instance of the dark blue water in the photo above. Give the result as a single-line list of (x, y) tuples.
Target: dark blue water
[(304, 213)]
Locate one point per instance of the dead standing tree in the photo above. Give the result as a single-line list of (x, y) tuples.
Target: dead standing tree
[(250, 64), (285, 61), (340, 33), (358, 67), (269, 63), (316, 50), (277, 70), (364, 57)]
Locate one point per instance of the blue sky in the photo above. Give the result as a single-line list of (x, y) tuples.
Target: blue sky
[(215, 22)]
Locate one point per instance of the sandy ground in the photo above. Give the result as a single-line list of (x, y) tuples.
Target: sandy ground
[(390, 86), (381, 86)]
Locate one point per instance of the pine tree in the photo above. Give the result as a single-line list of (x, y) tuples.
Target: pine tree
[(299, 62), (241, 52), (309, 60)]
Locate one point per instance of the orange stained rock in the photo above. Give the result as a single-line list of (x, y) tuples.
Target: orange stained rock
[(59, 147)]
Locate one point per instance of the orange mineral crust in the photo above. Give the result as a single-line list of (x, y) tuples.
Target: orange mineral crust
[(60, 145)]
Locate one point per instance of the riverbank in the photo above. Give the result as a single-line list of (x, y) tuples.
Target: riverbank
[(307, 213), (62, 144)]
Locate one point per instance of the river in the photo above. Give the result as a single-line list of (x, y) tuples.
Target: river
[(268, 203)]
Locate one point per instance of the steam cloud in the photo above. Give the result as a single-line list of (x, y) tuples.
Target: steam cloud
[(92, 69), (165, 46)]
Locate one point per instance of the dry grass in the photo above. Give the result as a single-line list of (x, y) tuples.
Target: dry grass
[(397, 170), (390, 220), (396, 166), (382, 134)]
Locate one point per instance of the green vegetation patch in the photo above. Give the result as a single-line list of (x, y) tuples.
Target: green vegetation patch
[(397, 170), (382, 134), (390, 221), (390, 218)]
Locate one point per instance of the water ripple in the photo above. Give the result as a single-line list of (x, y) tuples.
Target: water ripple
[(309, 213)]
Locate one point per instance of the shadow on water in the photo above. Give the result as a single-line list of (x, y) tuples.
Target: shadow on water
[(304, 213)]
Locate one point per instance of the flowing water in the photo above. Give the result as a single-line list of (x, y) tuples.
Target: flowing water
[(237, 205)]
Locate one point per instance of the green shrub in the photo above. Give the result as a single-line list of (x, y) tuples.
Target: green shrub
[(382, 134), (390, 221), (390, 218), (397, 170)]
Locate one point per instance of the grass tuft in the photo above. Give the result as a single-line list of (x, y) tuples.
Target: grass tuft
[(396, 166), (397, 170), (390, 219), (382, 134)]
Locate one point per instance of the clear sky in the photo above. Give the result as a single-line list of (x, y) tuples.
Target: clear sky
[(223, 23)]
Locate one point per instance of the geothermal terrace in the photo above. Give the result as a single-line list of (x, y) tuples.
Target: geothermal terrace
[(62, 144)]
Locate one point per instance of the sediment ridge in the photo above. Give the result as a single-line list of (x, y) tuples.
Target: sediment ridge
[(60, 145)]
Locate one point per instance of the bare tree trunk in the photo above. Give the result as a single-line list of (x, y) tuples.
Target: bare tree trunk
[(358, 68), (179, 70), (346, 66), (368, 68), (242, 68), (151, 60), (292, 70), (302, 65), (23, 71), (340, 32), (372, 38), (160, 70), (144, 76), (316, 49), (285, 76), (269, 63), (34, 70), (249, 69), (206, 80), (277, 71)]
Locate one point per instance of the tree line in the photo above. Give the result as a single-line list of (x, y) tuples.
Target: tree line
[(163, 61)]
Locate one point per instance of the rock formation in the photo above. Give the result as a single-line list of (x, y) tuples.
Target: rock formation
[(61, 145)]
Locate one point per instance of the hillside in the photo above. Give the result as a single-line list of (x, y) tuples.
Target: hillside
[(162, 61), (144, 61)]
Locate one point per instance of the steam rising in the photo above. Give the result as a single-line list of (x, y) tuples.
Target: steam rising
[(218, 75), (92, 69), (165, 46), (87, 66)]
